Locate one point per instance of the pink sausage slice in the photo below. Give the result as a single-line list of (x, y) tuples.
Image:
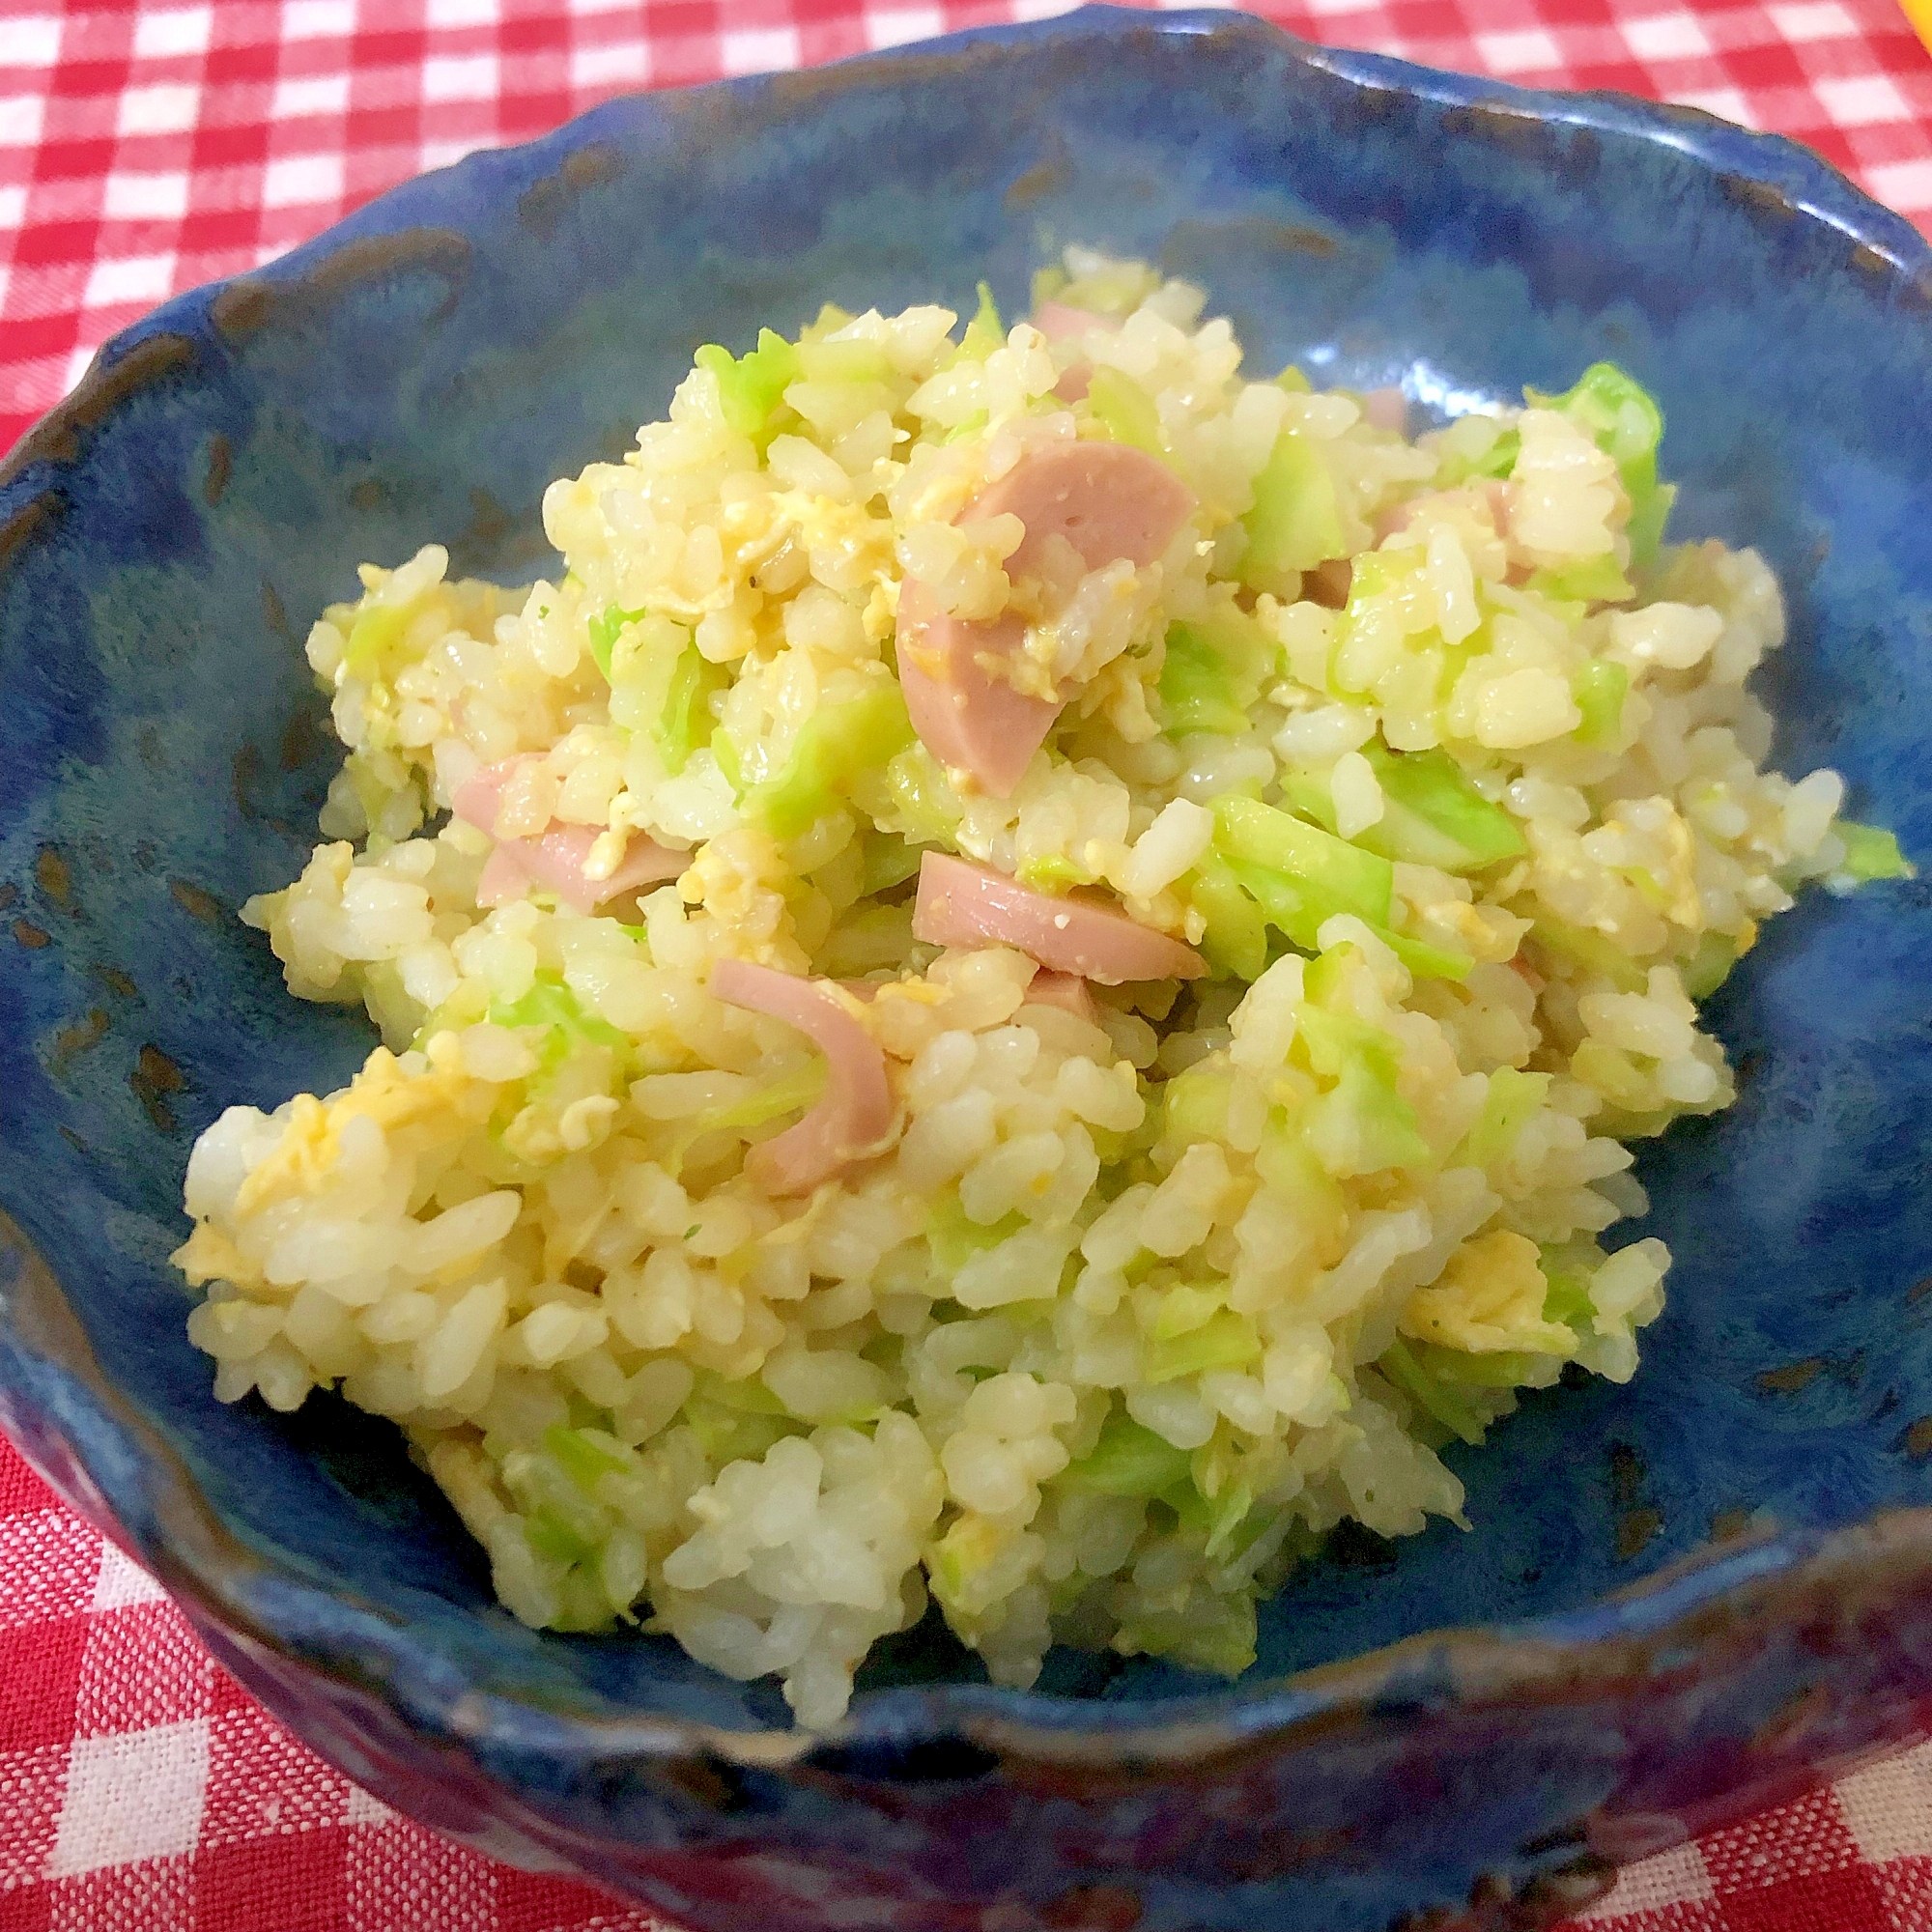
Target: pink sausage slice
[(502, 880), (1386, 409), (1495, 491), (971, 721), (554, 859), (1109, 501), (479, 798), (1058, 321), (1068, 991), (963, 904), (852, 1117)]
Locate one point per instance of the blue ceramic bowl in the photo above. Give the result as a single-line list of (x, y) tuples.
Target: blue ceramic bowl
[(1681, 1599)]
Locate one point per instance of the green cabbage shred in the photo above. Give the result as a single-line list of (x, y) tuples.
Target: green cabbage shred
[(753, 385)]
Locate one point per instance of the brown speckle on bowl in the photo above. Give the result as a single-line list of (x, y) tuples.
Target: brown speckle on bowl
[(1637, 1521), (1729, 1525), (1495, 1905), (116, 981), (494, 539), (72, 1041), (541, 205), (275, 612), (220, 465), (197, 903), (1767, 203), (27, 521), (101, 392), (1791, 1719), (1094, 1908), (54, 876), (1190, 245), (302, 740), (718, 1787), (1791, 1379), (1634, 1530), (247, 305), (1569, 152), (1048, 176), (245, 778), (155, 1077)]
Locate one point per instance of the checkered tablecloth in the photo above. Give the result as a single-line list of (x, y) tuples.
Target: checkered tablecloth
[(143, 1790), (146, 148)]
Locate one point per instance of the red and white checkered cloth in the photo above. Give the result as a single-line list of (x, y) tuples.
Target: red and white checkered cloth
[(143, 1790), (146, 148)]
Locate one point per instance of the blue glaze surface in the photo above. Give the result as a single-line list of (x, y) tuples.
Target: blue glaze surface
[(421, 372)]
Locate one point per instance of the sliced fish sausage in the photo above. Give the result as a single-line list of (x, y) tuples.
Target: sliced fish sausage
[(960, 903), (1109, 501), (554, 859), (850, 1121)]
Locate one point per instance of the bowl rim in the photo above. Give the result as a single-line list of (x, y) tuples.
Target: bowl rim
[(207, 1566)]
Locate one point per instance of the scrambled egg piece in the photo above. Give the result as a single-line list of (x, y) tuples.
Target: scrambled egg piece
[(849, 546), (1666, 874), (385, 1092), (1489, 1298), (740, 879), (208, 1255)]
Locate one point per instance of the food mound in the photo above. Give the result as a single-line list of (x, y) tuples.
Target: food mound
[(1025, 986)]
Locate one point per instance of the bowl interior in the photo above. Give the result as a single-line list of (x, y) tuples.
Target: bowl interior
[(421, 375)]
